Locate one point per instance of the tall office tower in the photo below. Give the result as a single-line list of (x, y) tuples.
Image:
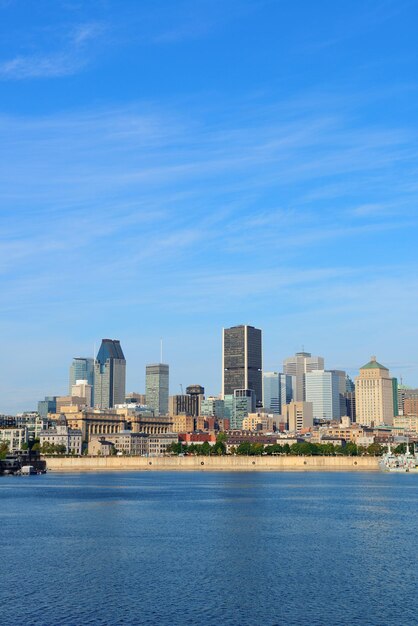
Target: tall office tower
[(109, 375), (196, 393), (156, 387), (82, 368), (350, 405), (349, 384), (287, 386), (271, 391), (298, 366), (322, 389), (242, 360), (374, 395), (405, 393), (189, 403), (342, 385), (395, 395)]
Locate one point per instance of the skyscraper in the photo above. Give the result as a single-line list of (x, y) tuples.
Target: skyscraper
[(271, 391), (109, 375), (322, 389), (82, 368), (298, 366), (374, 395), (156, 383), (242, 360)]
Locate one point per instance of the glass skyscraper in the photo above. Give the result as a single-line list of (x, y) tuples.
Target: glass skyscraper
[(157, 383), (82, 368), (242, 360), (271, 392), (109, 375)]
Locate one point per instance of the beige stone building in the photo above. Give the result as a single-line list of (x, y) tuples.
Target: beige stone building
[(407, 422), (374, 395), (182, 423), (260, 421), (298, 415), (110, 421)]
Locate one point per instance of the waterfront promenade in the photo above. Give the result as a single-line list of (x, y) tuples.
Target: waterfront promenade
[(213, 463)]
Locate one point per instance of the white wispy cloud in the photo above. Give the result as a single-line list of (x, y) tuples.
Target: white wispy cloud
[(72, 57)]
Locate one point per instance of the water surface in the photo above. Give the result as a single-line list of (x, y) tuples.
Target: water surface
[(209, 548)]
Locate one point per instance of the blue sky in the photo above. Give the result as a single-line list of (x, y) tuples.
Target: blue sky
[(169, 168)]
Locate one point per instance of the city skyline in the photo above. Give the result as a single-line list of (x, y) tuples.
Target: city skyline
[(169, 172), (112, 348)]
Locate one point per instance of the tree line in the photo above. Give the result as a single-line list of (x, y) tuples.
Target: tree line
[(248, 448)]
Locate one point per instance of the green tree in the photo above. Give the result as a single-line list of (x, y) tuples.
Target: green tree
[(4, 449), (375, 449)]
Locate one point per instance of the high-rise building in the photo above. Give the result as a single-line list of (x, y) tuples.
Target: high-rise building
[(242, 360), (82, 389), (298, 366), (287, 384), (109, 375), (212, 407), (49, 405), (82, 368), (374, 395), (350, 405), (271, 391), (156, 383), (189, 403), (322, 389), (298, 415), (244, 403), (342, 387), (405, 393)]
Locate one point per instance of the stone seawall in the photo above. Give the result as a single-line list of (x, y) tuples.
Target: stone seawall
[(218, 464)]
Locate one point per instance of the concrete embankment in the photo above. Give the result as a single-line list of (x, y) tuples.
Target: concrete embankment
[(218, 464)]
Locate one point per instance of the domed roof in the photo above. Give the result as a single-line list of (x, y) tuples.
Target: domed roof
[(373, 365)]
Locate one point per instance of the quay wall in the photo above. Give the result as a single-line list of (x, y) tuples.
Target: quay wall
[(225, 463)]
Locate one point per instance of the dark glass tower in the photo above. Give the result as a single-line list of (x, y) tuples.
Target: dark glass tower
[(242, 360), (109, 375)]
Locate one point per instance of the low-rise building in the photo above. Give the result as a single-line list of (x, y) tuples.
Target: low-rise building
[(62, 435), (125, 442), (14, 438), (266, 422), (131, 443)]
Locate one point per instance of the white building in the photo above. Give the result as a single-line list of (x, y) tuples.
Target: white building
[(322, 391), (298, 366), (14, 437)]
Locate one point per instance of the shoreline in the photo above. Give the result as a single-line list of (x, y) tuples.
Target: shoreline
[(213, 464)]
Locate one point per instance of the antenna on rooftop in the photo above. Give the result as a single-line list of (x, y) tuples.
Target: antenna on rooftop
[(161, 350)]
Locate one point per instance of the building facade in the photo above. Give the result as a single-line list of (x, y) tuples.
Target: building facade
[(157, 385), (242, 360), (109, 375), (298, 366), (298, 415), (374, 395), (82, 368), (62, 435), (82, 389), (322, 390), (271, 391)]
